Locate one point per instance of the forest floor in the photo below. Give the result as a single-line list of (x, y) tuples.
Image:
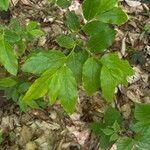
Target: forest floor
[(52, 128)]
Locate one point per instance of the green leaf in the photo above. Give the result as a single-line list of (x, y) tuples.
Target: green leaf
[(33, 29), (143, 141), (7, 82), (111, 116), (90, 8), (42, 61), (16, 27), (51, 1), (95, 27), (116, 126), (113, 16), (102, 40), (1, 137), (91, 73), (11, 37), (114, 72), (65, 88), (74, 60), (94, 7), (104, 139), (63, 3), (106, 5), (73, 21), (114, 137), (147, 27), (105, 142), (4, 4), (125, 144), (112, 61), (141, 126), (108, 84), (8, 57), (37, 33), (107, 131), (23, 87), (97, 127), (39, 87), (32, 25), (142, 112), (65, 41)]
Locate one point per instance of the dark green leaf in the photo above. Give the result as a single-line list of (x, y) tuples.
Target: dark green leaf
[(144, 140), (11, 37), (90, 8), (102, 40), (91, 73), (95, 27), (23, 87), (63, 3), (113, 16), (97, 127), (125, 143), (73, 21), (65, 41), (111, 116), (108, 84), (142, 112), (74, 60)]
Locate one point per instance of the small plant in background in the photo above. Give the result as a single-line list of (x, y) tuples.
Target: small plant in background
[(108, 131), (140, 139), (1, 137), (111, 130)]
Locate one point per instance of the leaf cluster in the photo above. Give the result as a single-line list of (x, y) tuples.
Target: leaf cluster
[(59, 72)]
